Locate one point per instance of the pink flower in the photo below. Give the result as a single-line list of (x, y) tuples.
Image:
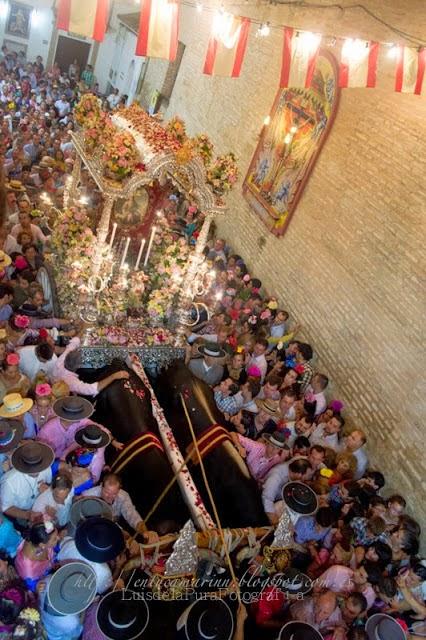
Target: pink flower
[(22, 322), (43, 389), (12, 359)]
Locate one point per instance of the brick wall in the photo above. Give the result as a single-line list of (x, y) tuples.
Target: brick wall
[(351, 266)]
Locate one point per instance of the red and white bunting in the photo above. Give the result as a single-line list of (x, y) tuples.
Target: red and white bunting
[(410, 70), (227, 46), (158, 29), (88, 18), (300, 52), (358, 63)]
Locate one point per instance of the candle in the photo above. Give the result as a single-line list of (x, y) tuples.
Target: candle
[(114, 229), (140, 254), (151, 240), (126, 248)]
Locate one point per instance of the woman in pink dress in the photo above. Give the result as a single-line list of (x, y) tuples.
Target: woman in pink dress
[(35, 555)]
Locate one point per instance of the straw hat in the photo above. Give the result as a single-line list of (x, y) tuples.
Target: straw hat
[(5, 260), (14, 185), (271, 407), (60, 389), (15, 405)]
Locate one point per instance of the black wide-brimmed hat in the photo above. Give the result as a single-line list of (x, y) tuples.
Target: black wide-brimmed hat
[(299, 631), (300, 498), (92, 437), (89, 507), (206, 620), (73, 408), (292, 581), (99, 539), (11, 432), (211, 349), (72, 588), (383, 627), (32, 457), (122, 615)]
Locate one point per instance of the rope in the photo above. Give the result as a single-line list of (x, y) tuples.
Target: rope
[(216, 515), (162, 495)]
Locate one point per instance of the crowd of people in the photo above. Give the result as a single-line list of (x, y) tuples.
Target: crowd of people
[(358, 549)]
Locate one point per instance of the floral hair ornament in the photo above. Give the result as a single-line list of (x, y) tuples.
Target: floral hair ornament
[(240, 349), (43, 334), (265, 314), (12, 358), (49, 526), (336, 405), (21, 263), (43, 390), (326, 473), (252, 320), (254, 372), (299, 369), (22, 322), (246, 278), (192, 209)]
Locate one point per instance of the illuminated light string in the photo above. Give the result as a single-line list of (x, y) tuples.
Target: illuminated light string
[(264, 28)]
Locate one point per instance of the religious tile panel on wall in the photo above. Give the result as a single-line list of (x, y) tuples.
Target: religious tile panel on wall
[(290, 144)]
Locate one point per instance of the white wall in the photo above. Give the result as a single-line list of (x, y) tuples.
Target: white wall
[(40, 29), (117, 52)]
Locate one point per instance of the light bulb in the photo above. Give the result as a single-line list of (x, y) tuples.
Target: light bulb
[(288, 138), (264, 30), (4, 9), (267, 121), (293, 129), (309, 41), (393, 52), (355, 49)]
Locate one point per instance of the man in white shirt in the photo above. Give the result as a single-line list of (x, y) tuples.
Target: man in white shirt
[(69, 551), (354, 443), (277, 477), (63, 106), (113, 99), (65, 369), (30, 476), (26, 225), (33, 359), (258, 359), (327, 433)]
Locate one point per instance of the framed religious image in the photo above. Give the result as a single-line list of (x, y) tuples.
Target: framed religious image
[(13, 45), (290, 144), (18, 22)]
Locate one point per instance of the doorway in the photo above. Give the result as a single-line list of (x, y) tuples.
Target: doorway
[(68, 50)]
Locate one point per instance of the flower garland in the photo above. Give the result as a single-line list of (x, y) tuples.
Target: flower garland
[(87, 111), (176, 128), (223, 173), (120, 154)]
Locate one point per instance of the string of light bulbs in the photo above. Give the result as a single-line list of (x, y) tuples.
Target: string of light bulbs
[(265, 27)]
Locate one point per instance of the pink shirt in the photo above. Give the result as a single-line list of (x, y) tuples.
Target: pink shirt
[(256, 460), (59, 372), (340, 580), (29, 569), (60, 439)]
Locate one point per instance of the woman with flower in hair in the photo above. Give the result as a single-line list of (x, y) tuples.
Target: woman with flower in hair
[(35, 555), (29, 626), (11, 379), (42, 410)]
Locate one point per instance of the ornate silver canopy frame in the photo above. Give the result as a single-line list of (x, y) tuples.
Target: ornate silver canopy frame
[(189, 178)]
